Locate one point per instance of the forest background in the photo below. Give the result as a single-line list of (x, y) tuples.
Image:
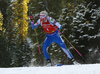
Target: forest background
[(18, 44)]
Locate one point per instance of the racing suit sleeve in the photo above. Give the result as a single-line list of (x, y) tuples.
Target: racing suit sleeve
[(54, 22), (35, 25)]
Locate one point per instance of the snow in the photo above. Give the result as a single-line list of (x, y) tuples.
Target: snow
[(66, 69)]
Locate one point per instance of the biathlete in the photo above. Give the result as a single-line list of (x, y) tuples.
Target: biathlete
[(51, 27)]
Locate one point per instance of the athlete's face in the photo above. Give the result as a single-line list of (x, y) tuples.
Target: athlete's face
[(43, 17)]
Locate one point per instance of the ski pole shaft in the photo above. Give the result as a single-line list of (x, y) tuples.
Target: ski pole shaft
[(37, 42), (71, 44), (39, 47), (36, 37), (74, 48)]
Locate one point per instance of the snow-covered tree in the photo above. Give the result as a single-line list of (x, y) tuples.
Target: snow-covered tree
[(16, 36), (4, 52), (86, 28)]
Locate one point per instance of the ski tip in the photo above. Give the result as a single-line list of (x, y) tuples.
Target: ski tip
[(59, 65)]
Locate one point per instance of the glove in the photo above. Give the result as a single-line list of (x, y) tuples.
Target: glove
[(31, 17)]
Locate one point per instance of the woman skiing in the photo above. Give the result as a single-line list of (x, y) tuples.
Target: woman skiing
[(51, 27)]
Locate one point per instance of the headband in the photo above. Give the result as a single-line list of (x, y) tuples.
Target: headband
[(43, 16)]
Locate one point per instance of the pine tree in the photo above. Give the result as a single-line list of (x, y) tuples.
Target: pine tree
[(1, 21), (66, 19), (23, 50), (4, 52), (86, 28), (17, 30)]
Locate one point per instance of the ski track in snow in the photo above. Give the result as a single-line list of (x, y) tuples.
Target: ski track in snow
[(66, 69)]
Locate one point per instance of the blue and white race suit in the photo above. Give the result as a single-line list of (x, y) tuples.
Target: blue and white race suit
[(54, 36)]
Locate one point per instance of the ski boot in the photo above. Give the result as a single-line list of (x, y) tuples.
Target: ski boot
[(75, 62), (49, 63)]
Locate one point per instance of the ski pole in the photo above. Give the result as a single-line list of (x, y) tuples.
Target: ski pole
[(36, 36), (38, 44), (73, 47), (38, 47)]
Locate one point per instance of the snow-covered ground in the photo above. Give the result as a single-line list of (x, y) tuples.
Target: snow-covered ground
[(67, 69)]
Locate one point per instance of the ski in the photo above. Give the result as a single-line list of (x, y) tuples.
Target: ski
[(60, 64)]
